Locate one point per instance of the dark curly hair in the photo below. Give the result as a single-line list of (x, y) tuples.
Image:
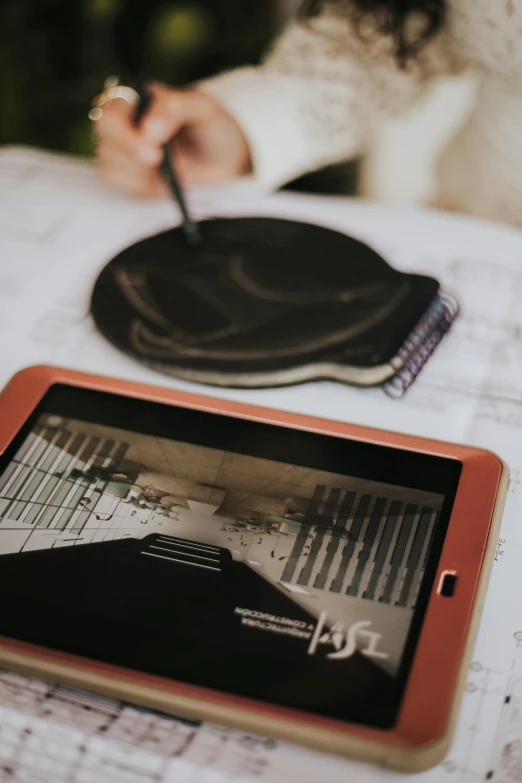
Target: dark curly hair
[(392, 17)]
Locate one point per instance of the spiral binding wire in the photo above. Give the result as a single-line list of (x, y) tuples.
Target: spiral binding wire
[(422, 343)]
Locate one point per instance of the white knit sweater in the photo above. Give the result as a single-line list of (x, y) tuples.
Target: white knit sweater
[(322, 90)]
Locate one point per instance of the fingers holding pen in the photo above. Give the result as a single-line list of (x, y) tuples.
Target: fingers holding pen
[(125, 160)]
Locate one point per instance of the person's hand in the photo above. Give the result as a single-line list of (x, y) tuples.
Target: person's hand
[(207, 142)]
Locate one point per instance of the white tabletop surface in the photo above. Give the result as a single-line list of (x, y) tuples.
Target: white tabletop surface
[(58, 227)]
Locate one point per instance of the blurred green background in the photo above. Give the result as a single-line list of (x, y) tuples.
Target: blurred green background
[(55, 55)]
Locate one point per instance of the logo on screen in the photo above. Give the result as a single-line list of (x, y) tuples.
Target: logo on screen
[(346, 639)]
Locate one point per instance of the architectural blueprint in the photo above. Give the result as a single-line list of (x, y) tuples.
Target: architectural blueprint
[(58, 228)]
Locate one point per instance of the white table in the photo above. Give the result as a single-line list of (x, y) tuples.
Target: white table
[(58, 227)]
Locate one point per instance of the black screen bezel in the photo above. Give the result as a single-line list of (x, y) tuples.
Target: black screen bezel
[(415, 470)]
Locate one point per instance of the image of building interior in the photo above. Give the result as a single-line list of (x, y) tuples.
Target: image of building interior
[(333, 543)]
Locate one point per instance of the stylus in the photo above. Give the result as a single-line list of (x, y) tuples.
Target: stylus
[(189, 226), (128, 33)]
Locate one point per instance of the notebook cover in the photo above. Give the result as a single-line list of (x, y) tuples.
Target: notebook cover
[(260, 295)]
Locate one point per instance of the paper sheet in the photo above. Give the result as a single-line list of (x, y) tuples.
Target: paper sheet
[(58, 227)]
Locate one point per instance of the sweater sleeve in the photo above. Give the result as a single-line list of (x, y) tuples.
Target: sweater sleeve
[(319, 93)]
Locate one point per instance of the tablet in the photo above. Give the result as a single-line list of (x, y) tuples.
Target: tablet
[(305, 579)]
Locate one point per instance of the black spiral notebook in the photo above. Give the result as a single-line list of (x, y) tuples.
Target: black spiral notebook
[(267, 302)]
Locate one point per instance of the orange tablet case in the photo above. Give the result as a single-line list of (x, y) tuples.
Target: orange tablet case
[(423, 730)]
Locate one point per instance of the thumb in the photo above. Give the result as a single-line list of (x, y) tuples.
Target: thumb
[(170, 110)]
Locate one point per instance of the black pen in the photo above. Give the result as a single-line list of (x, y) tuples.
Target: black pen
[(189, 226)]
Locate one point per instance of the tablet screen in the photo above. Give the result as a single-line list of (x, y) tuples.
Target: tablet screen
[(282, 565)]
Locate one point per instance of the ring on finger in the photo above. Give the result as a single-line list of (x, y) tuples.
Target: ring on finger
[(112, 90)]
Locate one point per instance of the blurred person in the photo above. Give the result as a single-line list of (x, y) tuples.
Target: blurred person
[(323, 87)]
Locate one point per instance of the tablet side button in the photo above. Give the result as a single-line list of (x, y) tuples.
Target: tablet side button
[(447, 584)]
